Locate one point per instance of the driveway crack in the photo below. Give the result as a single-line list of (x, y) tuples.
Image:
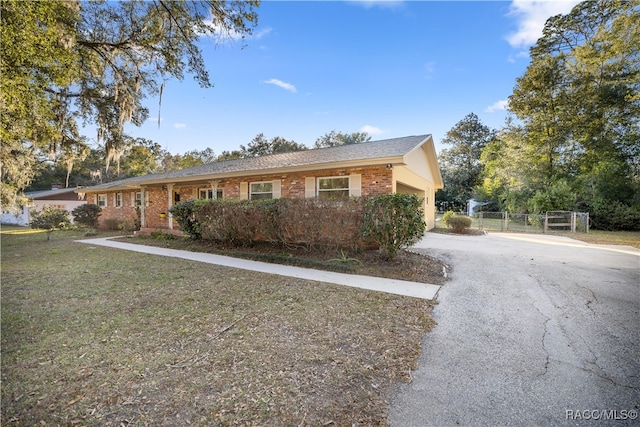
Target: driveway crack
[(544, 345)]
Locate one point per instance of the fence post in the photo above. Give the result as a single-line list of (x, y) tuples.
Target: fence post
[(480, 220), (573, 222), (506, 221), (587, 221), (546, 221)]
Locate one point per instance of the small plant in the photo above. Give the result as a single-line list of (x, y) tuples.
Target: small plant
[(460, 224), (159, 235), (344, 258), (50, 219), (128, 226)]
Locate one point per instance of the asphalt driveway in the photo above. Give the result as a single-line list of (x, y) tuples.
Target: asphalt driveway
[(532, 330)]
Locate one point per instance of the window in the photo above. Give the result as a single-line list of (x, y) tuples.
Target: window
[(261, 190), (138, 199), (207, 193), (102, 200), (118, 200), (336, 188)]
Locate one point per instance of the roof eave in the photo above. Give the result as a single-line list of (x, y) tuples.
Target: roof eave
[(394, 160)]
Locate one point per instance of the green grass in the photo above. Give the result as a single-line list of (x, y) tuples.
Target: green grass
[(97, 336), (602, 237)]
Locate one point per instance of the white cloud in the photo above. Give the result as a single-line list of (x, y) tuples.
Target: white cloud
[(371, 130), (532, 15), (260, 34), (179, 125), (283, 85), (389, 4), (497, 106)]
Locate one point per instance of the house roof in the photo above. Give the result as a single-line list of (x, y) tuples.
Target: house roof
[(383, 151), (49, 194)]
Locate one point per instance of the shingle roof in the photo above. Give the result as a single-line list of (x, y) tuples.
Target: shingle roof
[(46, 193), (382, 149)]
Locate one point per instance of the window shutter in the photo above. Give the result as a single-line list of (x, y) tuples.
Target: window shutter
[(276, 189), (310, 187), (244, 190), (355, 185)]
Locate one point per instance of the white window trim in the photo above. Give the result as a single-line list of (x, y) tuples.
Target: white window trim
[(204, 190), (312, 185), (134, 199), (106, 200), (214, 193), (117, 204), (320, 191), (251, 193)]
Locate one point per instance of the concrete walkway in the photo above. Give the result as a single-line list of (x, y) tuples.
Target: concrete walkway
[(398, 287)]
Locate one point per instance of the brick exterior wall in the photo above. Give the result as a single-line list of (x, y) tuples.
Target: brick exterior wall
[(127, 210), (375, 180), (157, 203)]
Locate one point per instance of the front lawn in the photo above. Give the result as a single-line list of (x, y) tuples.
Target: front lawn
[(100, 336)]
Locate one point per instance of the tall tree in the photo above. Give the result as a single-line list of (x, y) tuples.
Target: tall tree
[(460, 164), (65, 61), (193, 158), (142, 157), (578, 107), (334, 139), (260, 146)]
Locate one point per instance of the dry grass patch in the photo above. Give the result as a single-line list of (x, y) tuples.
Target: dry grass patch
[(98, 336)]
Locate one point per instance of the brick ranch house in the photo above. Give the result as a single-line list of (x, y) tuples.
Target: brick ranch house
[(399, 165)]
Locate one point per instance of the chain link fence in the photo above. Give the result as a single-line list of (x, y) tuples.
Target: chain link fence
[(564, 221)]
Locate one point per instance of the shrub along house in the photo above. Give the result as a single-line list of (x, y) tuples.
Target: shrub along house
[(399, 165)]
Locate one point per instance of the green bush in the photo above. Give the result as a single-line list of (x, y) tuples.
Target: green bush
[(614, 215), (184, 214), (459, 224), (87, 215), (446, 217), (50, 219), (394, 221)]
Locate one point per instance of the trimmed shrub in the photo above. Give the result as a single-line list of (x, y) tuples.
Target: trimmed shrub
[(460, 224), (309, 222), (394, 221), (87, 215), (446, 217), (324, 224)]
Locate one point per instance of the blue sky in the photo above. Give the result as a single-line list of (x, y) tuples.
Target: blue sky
[(389, 68)]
